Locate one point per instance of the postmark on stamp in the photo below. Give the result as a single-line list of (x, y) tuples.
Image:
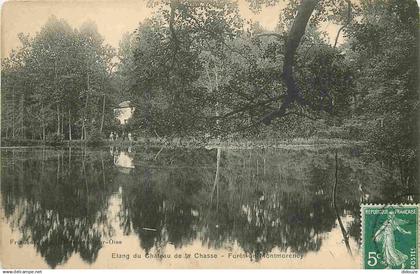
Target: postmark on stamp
[(390, 236)]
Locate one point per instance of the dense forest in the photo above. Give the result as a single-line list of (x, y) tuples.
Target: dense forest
[(196, 69)]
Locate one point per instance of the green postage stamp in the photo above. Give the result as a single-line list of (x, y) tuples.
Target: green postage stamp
[(390, 236)]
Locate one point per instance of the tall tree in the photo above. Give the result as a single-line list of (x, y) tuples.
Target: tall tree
[(50, 74)]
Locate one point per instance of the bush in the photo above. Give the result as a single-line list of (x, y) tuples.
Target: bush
[(96, 138), (55, 139), (19, 142)]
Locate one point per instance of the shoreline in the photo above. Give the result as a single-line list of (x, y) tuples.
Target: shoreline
[(297, 143)]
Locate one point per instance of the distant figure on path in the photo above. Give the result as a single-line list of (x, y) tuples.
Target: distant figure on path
[(116, 136), (130, 138), (111, 136)]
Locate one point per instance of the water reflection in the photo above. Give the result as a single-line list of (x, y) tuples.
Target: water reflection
[(58, 202), (258, 200), (123, 159)]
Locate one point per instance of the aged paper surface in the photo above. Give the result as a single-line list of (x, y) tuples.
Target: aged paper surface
[(209, 134)]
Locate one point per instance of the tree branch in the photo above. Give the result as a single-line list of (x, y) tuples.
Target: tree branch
[(293, 40), (248, 107), (301, 114), (215, 36), (346, 24), (174, 6), (277, 35)]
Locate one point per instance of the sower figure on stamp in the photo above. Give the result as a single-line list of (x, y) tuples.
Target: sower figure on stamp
[(391, 256)]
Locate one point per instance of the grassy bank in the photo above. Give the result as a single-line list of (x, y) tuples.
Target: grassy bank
[(194, 143)]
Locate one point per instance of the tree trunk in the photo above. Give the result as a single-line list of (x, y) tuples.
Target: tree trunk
[(69, 126), (22, 113), (84, 118), (84, 137), (43, 121), (62, 122), (69, 165), (58, 120), (56, 90), (13, 112), (216, 177), (83, 127), (103, 113), (294, 37), (43, 162), (103, 169), (58, 166), (337, 213)]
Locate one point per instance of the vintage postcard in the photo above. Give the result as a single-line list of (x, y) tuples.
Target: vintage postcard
[(209, 134)]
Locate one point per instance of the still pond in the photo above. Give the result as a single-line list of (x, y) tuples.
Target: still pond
[(143, 207)]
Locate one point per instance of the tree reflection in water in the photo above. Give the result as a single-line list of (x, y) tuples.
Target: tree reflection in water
[(57, 202), (260, 200)]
